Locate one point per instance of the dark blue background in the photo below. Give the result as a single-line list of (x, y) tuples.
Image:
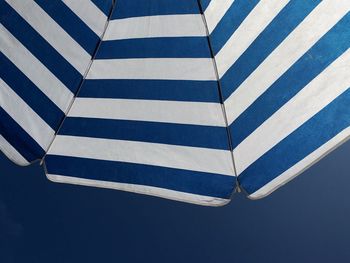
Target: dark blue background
[(306, 221)]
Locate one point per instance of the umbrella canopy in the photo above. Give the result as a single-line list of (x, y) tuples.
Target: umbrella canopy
[(187, 100)]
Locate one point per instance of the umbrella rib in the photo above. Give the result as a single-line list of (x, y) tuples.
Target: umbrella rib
[(229, 136), (82, 80)]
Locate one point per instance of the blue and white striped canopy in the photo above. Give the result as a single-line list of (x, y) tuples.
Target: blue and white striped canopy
[(188, 100)]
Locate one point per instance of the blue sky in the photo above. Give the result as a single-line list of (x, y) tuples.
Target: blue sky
[(305, 221)]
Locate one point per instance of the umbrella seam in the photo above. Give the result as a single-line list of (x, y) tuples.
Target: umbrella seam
[(82, 81), (229, 136)]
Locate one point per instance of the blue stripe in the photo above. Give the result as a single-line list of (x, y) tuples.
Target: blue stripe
[(281, 26), (34, 97), (321, 55), (71, 23), (104, 5), (166, 133), (204, 4), (38, 46), (307, 138), (18, 138), (163, 47), (178, 90), (230, 22), (200, 183), (135, 8)]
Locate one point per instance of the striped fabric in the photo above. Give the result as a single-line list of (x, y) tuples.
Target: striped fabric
[(46, 48), (284, 69), (148, 118), (180, 99)]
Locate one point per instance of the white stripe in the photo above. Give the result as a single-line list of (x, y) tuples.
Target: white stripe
[(198, 113), (89, 13), (215, 12), (142, 189), (321, 20), (11, 152), (153, 68), (28, 119), (257, 20), (52, 87), (321, 91), (172, 156), (302, 165), (155, 26), (52, 33)]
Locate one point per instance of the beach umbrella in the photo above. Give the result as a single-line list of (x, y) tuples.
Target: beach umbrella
[(188, 100)]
